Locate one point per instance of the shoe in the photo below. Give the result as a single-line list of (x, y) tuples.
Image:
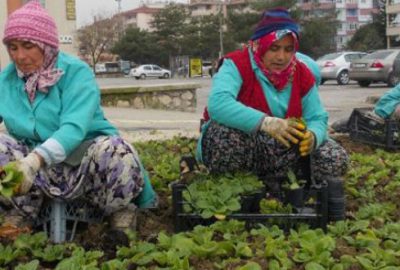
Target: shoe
[(124, 219)]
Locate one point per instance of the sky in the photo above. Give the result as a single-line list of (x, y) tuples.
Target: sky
[(87, 9)]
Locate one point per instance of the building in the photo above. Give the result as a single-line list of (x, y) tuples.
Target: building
[(393, 23), (63, 11), (140, 17), (213, 7), (350, 14)]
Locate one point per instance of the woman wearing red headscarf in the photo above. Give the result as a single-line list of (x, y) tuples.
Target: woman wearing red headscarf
[(255, 96)]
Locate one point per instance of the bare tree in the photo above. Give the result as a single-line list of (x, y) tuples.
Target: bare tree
[(98, 38)]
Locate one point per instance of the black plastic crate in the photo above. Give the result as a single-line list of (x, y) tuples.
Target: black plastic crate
[(369, 129), (315, 214)]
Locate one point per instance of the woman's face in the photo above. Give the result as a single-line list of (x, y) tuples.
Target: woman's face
[(27, 56), (278, 56)]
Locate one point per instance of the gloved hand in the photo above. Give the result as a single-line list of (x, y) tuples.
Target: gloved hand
[(283, 130), (28, 166), (307, 144)]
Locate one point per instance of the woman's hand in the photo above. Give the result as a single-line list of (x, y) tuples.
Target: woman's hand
[(307, 144), (28, 166), (286, 131)]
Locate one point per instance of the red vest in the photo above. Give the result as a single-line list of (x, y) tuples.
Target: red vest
[(251, 93)]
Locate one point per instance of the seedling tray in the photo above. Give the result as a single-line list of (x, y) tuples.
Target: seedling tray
[(368, 129), (314, 214)]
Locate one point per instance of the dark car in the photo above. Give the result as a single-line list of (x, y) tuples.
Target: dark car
[(375, 67)]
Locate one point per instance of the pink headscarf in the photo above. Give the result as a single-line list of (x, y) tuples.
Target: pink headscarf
[(46, 76), (260, 46)]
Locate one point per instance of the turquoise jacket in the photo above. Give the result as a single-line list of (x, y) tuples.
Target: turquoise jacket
[(69, 113), (388, 102), (312, 65), (224, 108)]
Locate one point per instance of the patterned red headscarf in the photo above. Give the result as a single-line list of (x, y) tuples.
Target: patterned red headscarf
[(260, 47)]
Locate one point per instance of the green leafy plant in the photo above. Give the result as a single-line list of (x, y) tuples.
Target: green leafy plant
[(293, 182), (10, 179)]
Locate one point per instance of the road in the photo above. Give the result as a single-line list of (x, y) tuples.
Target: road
[(148, 124)]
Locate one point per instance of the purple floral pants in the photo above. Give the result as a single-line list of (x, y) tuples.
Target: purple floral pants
[(227, 149), (109, 176)]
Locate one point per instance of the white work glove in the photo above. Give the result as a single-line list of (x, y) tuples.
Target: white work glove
[(28, 166), (307, 144), (286, 131)]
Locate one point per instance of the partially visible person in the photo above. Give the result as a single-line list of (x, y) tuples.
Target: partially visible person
[(387, 107), (259, 99), (58, 136)]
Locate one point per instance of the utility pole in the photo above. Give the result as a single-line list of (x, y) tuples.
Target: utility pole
[(119, 5), (221, 29)]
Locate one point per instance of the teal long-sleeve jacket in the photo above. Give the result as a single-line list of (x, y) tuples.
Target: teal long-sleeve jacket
[(58, 121), (388, 102), (224, 108)]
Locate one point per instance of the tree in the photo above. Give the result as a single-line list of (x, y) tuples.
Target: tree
[(202, 38), (366, 38), (318, 36), (139, 46), (170, 26), (98, 38)]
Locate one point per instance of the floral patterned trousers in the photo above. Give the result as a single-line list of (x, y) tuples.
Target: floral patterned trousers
[(109, 176), (227, 149)]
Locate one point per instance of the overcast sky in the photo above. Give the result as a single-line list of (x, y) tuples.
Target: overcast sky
[(86, 9)]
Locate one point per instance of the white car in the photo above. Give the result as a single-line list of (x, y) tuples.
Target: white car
[(144, 71)]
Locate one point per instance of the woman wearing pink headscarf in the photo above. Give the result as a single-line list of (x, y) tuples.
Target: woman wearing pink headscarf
[(58, 136), (254, 97)]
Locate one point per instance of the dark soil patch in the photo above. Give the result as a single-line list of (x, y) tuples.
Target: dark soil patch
[(350, 145), (152, 221)]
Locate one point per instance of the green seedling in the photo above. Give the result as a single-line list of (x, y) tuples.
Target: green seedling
[(293, 182), (10, 179)]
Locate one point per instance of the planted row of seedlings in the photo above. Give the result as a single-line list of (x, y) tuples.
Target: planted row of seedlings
[(368, 239)]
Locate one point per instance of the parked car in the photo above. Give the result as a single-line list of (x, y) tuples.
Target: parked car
[(144, 71), (375, 67), (335, 66)]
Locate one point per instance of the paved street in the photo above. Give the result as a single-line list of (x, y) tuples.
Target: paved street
[(151, 124)]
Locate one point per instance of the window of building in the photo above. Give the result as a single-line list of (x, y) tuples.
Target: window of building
[(351, 12), (352, 26)]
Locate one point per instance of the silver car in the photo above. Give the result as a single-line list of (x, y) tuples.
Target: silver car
[(375, 67), (335, 66)]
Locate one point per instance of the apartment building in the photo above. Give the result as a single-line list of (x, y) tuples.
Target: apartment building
[(208, 7), (64, 13), (393, 23), (350, 14), (140, 17)]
